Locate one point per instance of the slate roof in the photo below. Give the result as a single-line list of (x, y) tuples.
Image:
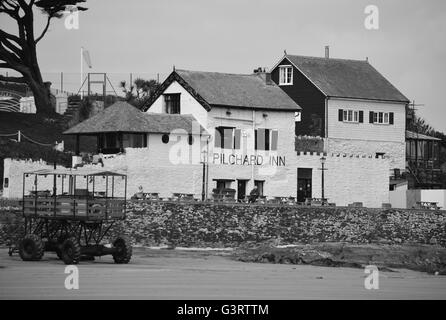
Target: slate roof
[(343, 78), (123, 117), (232, 90), (419, 136)]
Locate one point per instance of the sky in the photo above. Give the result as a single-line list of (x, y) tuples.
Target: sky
[(148, 37)]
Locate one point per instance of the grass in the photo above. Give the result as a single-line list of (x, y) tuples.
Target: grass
[(40, 129)]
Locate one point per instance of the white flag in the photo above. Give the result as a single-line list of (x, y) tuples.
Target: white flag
[(87, 58)]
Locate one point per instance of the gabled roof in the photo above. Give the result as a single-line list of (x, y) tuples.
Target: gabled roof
[(123, 117), (342, 78), (232, 90), (419, 136)]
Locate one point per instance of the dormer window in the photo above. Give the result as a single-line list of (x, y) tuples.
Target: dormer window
[(172, 103), (285, 75)]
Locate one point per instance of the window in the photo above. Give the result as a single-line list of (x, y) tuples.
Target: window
[(134, 140), (227, 138), (285, 75), (6, 183), (381, 117), (356, 116), (172, 103), (379, 154), (111, 140), (223, 184), (266, 139), (190, 139), (165, 138), (259, 184), (297, 116)]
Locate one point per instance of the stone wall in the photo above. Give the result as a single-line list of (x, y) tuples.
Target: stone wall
[(198, 224), (206, 224)]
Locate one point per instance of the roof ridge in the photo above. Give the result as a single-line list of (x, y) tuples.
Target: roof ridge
[(323, 58), (223, 73)]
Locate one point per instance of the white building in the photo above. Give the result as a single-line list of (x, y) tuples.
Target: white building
[(205, 133)]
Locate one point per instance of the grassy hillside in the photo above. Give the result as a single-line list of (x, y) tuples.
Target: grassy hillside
[(39, 129)]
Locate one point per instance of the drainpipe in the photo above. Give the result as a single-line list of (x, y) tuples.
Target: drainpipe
[(207, 167), (326, 126), (254, 133)]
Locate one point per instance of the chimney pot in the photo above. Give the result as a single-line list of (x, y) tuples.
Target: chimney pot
[(327, 52)]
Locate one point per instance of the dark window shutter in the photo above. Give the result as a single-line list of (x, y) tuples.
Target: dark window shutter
[(391, 118), (228, 138), (261, 139), (341, 115), (255, 139), (237, 138), (361, 116), (371, 117), (274, 138), (218, 137)]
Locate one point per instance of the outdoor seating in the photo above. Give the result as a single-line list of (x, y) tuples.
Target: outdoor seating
[(428, 205), (316, 202), (183, 197)]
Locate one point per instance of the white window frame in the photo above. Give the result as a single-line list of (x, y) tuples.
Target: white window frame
[(286, 75), (381, 117), (351, 116)]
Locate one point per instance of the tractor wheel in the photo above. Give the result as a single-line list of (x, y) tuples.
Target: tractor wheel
[(123, 252), (31, 248), (71, 251), (60, 241)]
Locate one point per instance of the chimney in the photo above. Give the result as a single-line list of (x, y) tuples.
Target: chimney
[(266, 76), (327, 52)]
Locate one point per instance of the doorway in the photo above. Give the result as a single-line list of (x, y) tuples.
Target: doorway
[(241, 190), (304, 179)]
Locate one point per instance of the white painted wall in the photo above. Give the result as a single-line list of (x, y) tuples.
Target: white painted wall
[(188, 104), (409, 198), (398, 199), (349, 179), (434, 196), (367, 138)]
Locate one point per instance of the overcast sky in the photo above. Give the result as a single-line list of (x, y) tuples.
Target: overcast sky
[(147, 36)]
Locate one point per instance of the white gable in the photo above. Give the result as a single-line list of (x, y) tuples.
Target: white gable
[(188, 104)]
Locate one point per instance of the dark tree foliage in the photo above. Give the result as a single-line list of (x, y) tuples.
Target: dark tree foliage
[(139, 91), (19, 51)]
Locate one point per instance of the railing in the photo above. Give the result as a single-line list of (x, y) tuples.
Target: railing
[(423, 163), (84, 208)]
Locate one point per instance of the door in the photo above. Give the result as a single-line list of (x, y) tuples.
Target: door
[(304, 178), (241, 189)]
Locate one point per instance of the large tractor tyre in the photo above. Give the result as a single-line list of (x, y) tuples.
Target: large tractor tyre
[(60, 242), (31, 248), (71, 251), (123, 252)]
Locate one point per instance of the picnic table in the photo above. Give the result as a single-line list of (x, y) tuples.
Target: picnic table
[(146, 196), (182, 197), (316, 201), (428, 205)]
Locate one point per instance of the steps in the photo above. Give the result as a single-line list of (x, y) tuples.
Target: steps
[(71, 114)]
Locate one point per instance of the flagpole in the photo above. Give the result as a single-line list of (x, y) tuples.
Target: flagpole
[(82, 71)]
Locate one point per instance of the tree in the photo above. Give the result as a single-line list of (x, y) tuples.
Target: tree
[(138, 92), (19, 52)]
